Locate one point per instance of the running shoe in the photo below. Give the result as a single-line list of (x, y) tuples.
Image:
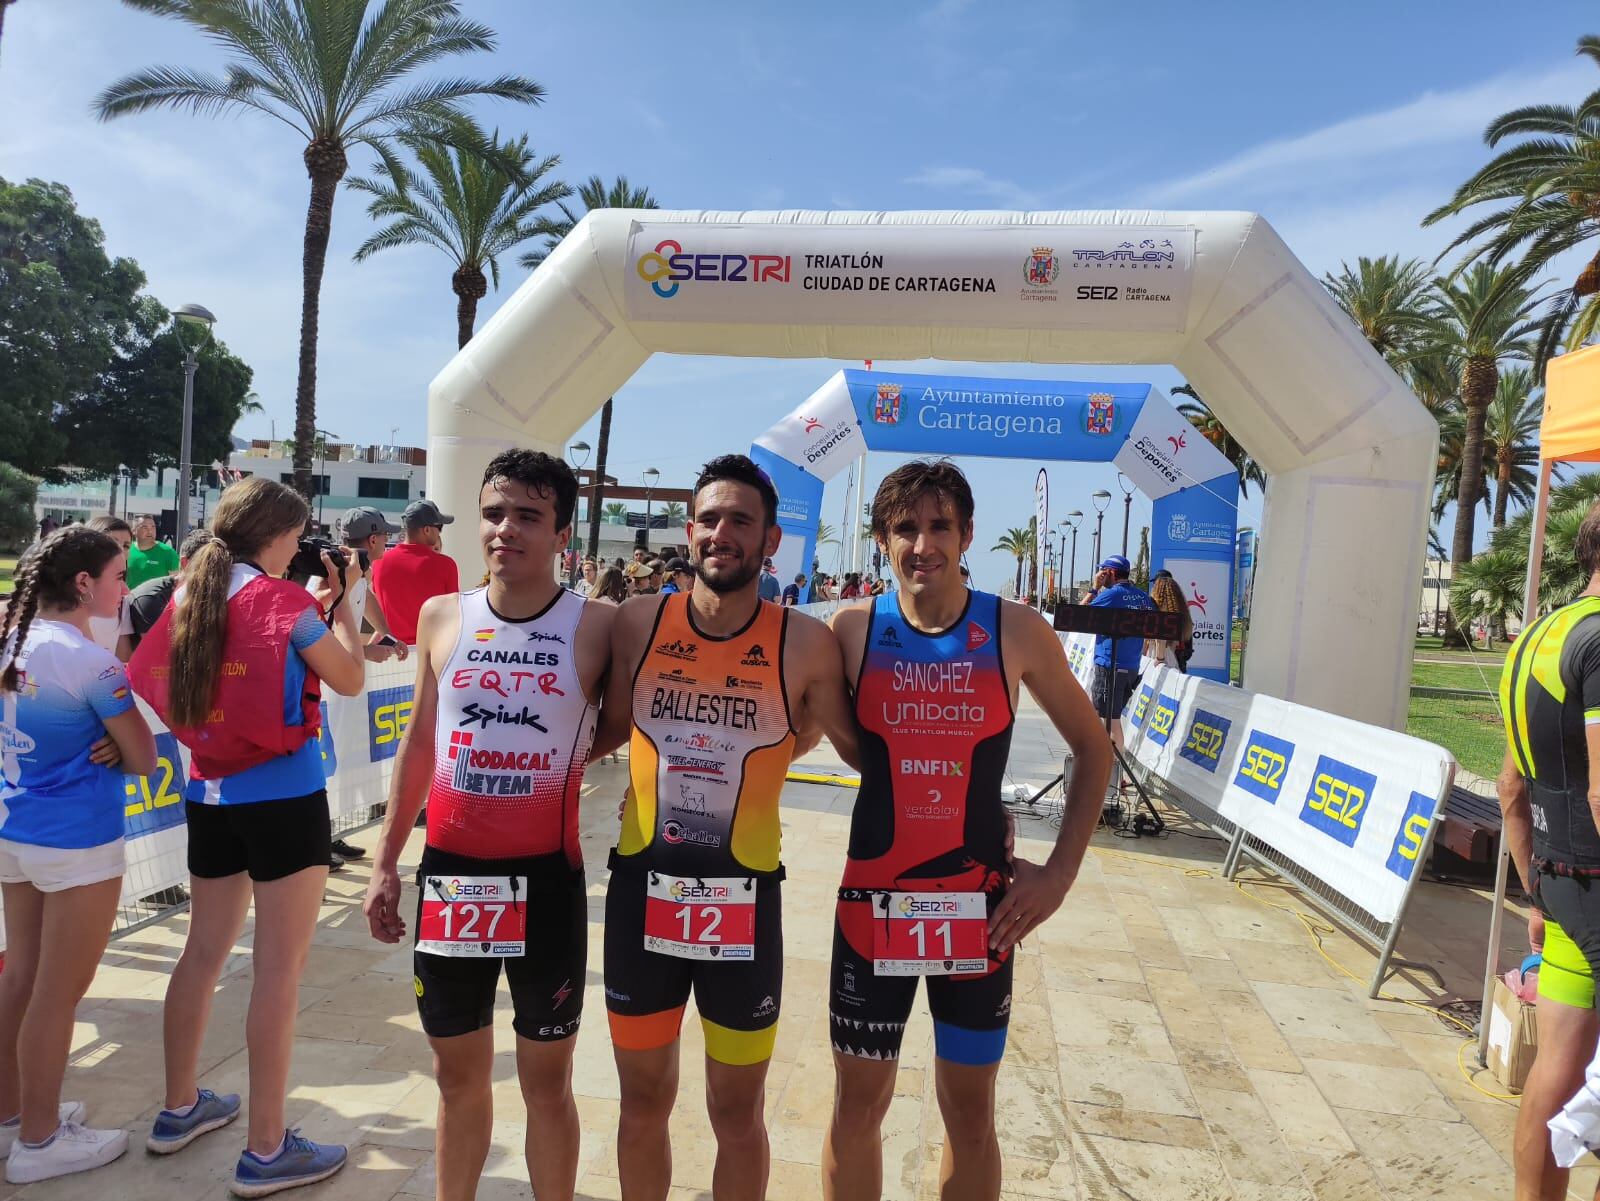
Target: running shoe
[(73, 1148), (298, 1162), (348, 850), (70, 1111), (173, 1133)]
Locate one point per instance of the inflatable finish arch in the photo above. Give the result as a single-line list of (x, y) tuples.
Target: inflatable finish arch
[(1193, 488), (1217, 295)]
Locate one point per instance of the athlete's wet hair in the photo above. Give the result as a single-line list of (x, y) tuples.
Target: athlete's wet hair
[(1587, 543), (544, 474), (741, 469), (904, 487), (48, 574)]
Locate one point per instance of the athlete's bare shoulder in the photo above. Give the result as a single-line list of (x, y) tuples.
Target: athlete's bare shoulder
[(592, 652), (438, 624), (1029, 640), (849, 625), (804, 638)]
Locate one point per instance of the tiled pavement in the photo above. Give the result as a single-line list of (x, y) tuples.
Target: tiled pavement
[(1170, 1038)]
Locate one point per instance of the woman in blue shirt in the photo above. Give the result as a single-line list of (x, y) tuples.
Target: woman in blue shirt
[(66, 717)]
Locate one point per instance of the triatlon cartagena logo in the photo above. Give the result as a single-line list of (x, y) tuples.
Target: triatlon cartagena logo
[(667, 266)]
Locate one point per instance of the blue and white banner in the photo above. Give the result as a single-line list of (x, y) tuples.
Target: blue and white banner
[(1192, 486), (1351, 804)]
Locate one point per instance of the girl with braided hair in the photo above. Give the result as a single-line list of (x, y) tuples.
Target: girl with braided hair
[(61, 825)]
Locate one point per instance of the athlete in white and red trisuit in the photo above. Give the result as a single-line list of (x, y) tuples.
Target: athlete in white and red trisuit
[(927, 889), (508, 680)]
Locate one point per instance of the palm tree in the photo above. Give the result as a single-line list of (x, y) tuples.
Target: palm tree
[(1488, 588), (1482, 319), (674, 513), (1560, 577), (595, 194), (616, 514), (1546, 189), (4, 4), (1018, 542), (1388, 301), (473, 206), (826, 534), (1511, 440), (1213, 431), (341, 74)]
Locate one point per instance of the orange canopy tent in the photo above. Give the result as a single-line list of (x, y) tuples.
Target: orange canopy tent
[(1569, 432)]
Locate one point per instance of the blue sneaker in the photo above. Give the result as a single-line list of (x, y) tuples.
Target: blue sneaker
[(299, 1161), (173, 1133)]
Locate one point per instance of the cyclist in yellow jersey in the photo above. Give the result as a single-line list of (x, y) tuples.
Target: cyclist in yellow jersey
[(1550, 799), (716, 691)]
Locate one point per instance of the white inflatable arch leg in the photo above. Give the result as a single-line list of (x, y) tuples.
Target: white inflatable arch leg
[(1349, 451)]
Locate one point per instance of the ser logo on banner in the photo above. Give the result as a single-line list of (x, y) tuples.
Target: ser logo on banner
[(1261, 769), (1413, 833), (1140, 705), (1208, 737), (388, 715), (1161, 719), (155, 802), (1337, 799), (330, 752)]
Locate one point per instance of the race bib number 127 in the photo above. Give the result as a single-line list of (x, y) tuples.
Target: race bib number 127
[(472, 917), (929, 934), (692, 918)]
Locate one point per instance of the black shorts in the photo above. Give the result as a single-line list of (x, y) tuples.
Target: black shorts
[(646, 991), (1112, 689), (268, 839), (867, 1012), (456, 996)]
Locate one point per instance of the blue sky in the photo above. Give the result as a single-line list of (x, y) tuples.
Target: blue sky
[(1341, 124)]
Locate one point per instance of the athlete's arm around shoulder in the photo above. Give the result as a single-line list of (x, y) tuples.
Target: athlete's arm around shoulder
[(438, 626), (631, 624), (819, 701), (1035, 657)]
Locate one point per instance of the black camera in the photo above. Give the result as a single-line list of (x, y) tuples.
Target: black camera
[(307, 561)]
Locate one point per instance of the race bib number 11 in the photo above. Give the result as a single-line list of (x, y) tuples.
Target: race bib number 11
[(693, 918), (929, 934), (473, 917)]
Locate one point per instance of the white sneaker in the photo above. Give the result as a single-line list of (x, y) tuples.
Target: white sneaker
[(75, 1148), (70, 1111)]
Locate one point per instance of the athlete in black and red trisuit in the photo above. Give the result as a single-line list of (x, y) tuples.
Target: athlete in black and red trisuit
[(927, 890)]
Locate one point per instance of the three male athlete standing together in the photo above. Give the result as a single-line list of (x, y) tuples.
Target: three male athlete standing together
[(717, 691)]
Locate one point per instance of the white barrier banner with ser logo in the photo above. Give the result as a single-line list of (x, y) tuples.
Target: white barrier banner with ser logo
[(360, 735), (1349, 803)]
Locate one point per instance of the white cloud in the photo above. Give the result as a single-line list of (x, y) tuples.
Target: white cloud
[(972, 181), (1432, 120)]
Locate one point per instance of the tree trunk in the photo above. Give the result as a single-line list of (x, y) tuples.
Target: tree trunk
[(1019, 578), (4, 4), (1478, 381), (470, 286), (112, 507), (326, 164), (1502, 491), (598, 495)]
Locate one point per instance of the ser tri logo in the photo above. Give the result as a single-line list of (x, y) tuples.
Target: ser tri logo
[(1262, 767), (668, 266), (1208, 738)]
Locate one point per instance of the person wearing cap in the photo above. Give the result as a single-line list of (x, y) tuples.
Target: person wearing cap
[(680, 577), (638, 577), (769, 589), (415, 570), (1114, 681), (791, 594), (365, 530)]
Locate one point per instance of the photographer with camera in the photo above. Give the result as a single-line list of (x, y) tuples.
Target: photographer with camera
[(365, 532), (235, 667)]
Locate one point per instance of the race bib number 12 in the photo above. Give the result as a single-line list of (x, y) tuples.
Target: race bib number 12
[(929, 934), (693, 918), (473, 917)]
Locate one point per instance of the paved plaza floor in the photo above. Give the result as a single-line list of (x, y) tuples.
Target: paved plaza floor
[(1171, 1037)]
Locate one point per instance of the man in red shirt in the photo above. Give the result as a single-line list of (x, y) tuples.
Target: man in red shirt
[(414, 570)]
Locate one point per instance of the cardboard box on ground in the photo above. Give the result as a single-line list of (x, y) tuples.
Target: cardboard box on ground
[(1513, 1038)]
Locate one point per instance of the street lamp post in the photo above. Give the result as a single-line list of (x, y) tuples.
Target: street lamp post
[(1126, 485), (321, 485), (580, 455), (1100, 500), (650, 475), (1074, 519), (192, 324)]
